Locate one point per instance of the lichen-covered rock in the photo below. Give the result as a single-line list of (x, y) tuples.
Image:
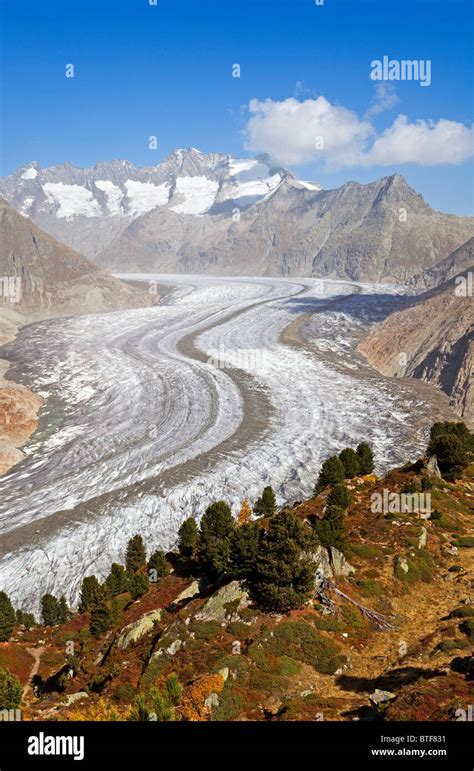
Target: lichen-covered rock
[(134, 631), (224, 603), (191, 591), (73, 697)]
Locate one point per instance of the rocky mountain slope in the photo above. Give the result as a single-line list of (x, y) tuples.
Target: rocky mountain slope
[(41, 278), (431, 338), (217, 214), (388, 634), (456, 262)]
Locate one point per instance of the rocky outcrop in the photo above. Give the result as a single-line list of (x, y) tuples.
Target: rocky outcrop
[(18, 420), (431, 338), (224, 603), (134, 631)]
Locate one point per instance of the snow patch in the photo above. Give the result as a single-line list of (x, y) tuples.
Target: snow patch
[(199, 194), (72, 200), (145, 196), (113, 193), (30, 173)]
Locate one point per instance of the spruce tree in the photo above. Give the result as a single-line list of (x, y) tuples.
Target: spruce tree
[(351, 462), (217, 526), (135, 556), (265, 505), (339, 496), (245, 543), (188, 538), (139, 585), (331, 529), (50, 610), (7, 617), (366, 458), (91, 593), (332, 472), (64, 612), (157, 566), (101, 619), (117, 580), (284, 577)]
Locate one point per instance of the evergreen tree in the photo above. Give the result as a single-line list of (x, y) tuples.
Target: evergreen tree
[(101, 619), (331, 529), (64, 612), (366, 458), (91, 593), (351, 462), (245, 544), (117, 580), (157, 566), (50, 610), (265, 505), (188, 538), (28, 620), (332, 472), (7, 617), (284, 575), (245, 514), (339, 496), (452, 444), (11, 691), (217, 526), (139, 585), (135, 557)]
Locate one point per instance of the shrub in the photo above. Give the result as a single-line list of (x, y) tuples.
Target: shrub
[(467, 627), (370, 588), (205, 630)]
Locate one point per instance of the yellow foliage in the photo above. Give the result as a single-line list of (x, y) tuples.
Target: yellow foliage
[(192, 703), (100, 711), (245, 513)]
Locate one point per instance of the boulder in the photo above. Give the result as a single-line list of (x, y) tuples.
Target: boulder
[(380, 697), (191, 591), (340, 565), (431, 468), (423, 538), (134, 631), (73, 697), (400, 562), (224, 603)]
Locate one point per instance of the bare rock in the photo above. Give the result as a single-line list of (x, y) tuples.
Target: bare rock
[(134, 631)]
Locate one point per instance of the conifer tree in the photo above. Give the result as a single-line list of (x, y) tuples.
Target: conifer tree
[(135, 557), (157, 566), (11, 691), (245, 514), (332, 472), (101, 618), (117, 580), (366, 458), (50, 610), (7, 617), (217, 526), (188, 538), (91, 593), (331, 529), (64, 612), (265, 505), (351, 462)]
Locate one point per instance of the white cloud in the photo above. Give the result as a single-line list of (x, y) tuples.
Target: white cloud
[(291, 131), (296, 132), (425, 143), (385, 98)]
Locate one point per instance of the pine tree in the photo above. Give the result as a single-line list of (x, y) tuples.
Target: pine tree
[(101, 619), (245, 543), (50, 610), (157, 566), (117, 580), (7, 617), (91, 593), (332, 472), (64, 612), (284, 575), (11, 691), (366, 458), (245, 514), (452, 444), (217, 526), (331, 529), (139, 585), (339, 496), (265, 505), (351, 462), (135, 557), (188, 538)]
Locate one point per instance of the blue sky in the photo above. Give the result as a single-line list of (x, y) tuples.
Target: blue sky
[(166, 70)]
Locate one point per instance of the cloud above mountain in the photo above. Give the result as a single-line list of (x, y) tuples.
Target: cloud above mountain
[(295, 132)]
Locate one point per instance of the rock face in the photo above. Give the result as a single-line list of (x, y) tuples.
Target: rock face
[(40, 277), (431, 338), (456, 262), (199, 213), (133, 632), (18, 420), (224, 603)]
